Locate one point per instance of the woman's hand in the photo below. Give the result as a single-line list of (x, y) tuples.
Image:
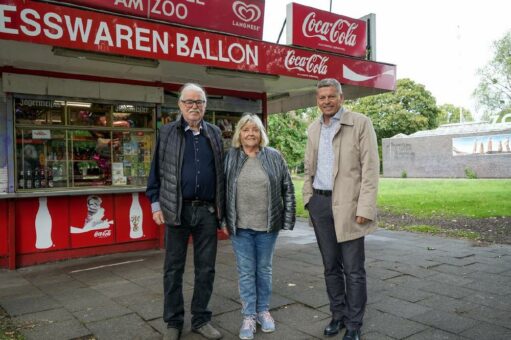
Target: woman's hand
[(225, 231)]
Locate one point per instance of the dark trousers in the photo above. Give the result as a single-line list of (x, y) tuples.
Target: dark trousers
[(345, 275), (201, 224)]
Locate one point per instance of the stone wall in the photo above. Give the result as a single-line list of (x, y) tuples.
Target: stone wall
[(432, 156)]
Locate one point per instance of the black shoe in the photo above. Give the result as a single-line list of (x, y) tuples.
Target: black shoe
[(333, 327), (352, 335)]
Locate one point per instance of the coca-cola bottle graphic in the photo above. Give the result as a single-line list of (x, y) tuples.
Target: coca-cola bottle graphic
[(135, 217), (43, 225)]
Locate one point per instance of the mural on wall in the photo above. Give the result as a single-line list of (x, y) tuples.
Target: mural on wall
[(136, 217), (43, 225), (482, 145), (95, 217)]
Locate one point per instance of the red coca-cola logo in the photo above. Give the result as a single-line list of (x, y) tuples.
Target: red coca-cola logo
[(340, 32), (313, 64), (103, 234)]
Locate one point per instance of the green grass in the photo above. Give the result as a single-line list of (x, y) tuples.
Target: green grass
[(434, 230), (474, 198)]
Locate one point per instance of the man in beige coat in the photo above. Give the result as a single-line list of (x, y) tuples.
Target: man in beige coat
[(340, 188)]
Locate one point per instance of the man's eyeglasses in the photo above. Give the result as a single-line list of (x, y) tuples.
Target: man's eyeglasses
[(189, 103)]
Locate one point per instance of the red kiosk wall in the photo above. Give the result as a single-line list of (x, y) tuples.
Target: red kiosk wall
[(91, 221), (3, 228), (33, 237), (125, 205)]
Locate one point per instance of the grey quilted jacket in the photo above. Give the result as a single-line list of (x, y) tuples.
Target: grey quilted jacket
[(281, 208)]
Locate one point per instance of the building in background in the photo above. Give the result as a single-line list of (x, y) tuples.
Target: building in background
[(450, 151)]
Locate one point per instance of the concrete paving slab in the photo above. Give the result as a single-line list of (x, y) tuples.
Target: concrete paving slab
[(419, 286)]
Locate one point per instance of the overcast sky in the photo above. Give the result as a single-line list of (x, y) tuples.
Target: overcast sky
[(437, 43)]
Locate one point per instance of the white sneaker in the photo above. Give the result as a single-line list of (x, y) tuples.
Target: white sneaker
[(266, 321), (248, 327)]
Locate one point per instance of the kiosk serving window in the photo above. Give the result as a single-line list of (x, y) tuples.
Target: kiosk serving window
[(63, 143)]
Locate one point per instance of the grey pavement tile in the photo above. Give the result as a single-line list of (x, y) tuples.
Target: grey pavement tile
[(491, 315), (58, 288), (375, 336), (392, 326), (400, 308), (11, 279), (302, 318), (434, 334), (465, 261), (98, 313), (457, 280), (219, 304), (490, 300), (486, 284), (24, 304), (485, 330), (455, 270), (312, 296), (153, 284), (25, 288), (408, 294), (448, 304), (226, 288), (381, 273), (123, 327), (491, 268), (118, 288), (445, 321), (81, 298), (148, 296), (407, 269), (96, 277), (278, 301), (408, 281), (69, 329), (447, 289), (44, 317)]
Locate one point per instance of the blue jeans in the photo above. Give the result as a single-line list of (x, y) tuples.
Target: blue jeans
[(254, 254)]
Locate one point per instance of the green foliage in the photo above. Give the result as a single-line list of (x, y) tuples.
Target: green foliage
[(409, 109), (470, 173), (479, 198), (288, 134), (300, 210), (451, 114), (437, 230), (494, 90), (404, 174)]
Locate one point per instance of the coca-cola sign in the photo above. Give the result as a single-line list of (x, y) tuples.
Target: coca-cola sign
[(310, 27), (313, 66), (49, 24), (241, 17)]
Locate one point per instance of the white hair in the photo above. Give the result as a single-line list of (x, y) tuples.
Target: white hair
[(249, 118), (192, 87)]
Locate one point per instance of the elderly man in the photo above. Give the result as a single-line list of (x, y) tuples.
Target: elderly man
[(340, 187), (186, 189)]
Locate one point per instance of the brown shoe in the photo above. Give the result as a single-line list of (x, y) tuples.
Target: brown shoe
[(208, 331)]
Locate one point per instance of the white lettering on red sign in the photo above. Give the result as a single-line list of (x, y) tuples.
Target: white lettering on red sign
[(55, 26), (314, 64), (339, 32), (103, 234), (216, 51)]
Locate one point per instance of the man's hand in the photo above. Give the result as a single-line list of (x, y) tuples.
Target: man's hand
[(158, 217), (225, 231), (361, 220)]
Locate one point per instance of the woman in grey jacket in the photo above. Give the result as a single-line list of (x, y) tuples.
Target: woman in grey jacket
[(259, 202)]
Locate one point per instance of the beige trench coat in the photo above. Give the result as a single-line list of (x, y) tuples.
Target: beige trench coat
[(355, 174)]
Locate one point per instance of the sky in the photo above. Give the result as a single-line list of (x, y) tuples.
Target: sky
[(437, 43)]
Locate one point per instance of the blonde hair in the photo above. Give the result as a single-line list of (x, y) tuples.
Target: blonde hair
[(249, 118)]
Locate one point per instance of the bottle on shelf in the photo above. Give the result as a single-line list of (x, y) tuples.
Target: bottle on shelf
[(37, 179), (50, 178), (28, 180), (21, 180)]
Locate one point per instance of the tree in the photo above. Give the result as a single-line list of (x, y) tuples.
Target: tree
[(494, 90), (409, 109), (451, 114), (288, 134)]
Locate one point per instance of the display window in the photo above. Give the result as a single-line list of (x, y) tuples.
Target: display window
[(68, 144)]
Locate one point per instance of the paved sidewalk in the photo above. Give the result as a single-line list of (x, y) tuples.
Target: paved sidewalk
[(419, 287)]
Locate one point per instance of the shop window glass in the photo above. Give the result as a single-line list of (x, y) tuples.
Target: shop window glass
[(98, 144)]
